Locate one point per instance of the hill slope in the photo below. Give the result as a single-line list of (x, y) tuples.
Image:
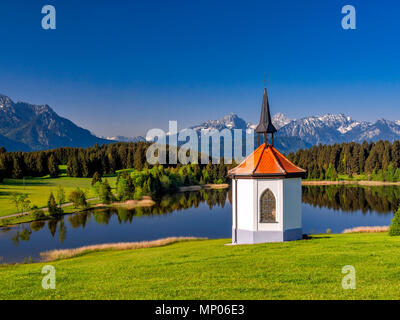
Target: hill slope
[(208, 269)]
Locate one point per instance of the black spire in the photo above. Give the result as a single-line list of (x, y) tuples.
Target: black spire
[(265, 126)]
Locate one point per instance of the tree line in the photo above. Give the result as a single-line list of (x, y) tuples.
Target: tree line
[(85, 162), (377, 160)]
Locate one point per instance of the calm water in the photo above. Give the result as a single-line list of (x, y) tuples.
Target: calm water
[(202, 214)]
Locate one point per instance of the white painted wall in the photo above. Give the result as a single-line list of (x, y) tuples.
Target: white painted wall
[(233, 204), (292, 203), (245, 203), (287, 194)]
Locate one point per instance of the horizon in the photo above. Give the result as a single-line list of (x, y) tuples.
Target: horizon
[(123, 69)]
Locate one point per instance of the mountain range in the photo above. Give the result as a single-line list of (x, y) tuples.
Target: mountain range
[(27, 127), (325, 129), (294, 134), (336, 128)]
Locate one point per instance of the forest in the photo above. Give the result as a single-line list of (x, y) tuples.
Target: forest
[(103, 160), (373, 161)]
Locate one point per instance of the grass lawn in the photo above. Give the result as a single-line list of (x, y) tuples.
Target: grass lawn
[(305, 269), (40, 188)]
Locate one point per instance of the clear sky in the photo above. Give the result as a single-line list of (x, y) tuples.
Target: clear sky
[(121, 67)]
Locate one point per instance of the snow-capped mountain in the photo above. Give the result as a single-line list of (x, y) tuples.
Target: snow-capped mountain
[(279, 120), (233, 121), (336, 128), (230, 121), (294, 134), (25, 127), (124, 139)]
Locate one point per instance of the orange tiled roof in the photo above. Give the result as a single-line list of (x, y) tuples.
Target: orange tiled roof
[(266, 161)]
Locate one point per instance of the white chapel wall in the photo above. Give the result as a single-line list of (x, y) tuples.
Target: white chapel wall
[(292, 203), (245, 194)]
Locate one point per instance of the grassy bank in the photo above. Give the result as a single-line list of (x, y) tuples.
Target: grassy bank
[(30, 217), (91, 204), (208, 269)]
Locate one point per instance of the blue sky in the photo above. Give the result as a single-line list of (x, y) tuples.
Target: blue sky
[(121, 67)]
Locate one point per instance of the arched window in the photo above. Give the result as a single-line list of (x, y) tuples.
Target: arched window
[(267, 207)]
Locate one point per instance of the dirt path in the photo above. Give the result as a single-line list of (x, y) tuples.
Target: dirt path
[(44, 209)]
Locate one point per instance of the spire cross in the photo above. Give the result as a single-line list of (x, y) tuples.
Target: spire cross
[(265, 80)]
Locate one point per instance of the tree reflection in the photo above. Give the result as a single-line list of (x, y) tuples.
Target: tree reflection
[(353, 198), (166, 204)]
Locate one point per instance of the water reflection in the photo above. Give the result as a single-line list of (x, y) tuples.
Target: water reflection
[(206, 213), (382, 200), (165, 205)]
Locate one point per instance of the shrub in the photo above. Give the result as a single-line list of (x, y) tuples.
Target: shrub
[(78, 198), (138, 194), (104, 192), (37, 213), (60, 195), (21, 201), (123, 190), (394, 229)]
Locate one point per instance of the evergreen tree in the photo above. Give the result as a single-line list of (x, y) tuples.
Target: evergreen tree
[(41, 164), (17, 172), (396, 154), (96, 178), (53, 167), (52, 205), (137, 158), (394, 229)]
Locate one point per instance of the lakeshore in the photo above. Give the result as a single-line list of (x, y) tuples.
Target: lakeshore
[(348, 182)]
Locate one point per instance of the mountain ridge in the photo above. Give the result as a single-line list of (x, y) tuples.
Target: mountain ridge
[(294, 134), (39, 127), (30, 127)]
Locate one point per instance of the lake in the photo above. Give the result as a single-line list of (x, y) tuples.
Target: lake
[(205, 213)]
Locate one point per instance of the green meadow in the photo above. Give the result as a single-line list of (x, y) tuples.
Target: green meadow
[(39, 190), (209, 269)]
